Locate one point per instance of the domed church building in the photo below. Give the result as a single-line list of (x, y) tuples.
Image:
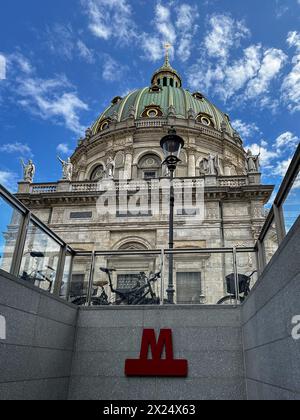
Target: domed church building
[(124, 145)]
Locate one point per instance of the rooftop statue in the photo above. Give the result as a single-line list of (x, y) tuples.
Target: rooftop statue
[(253, 162), (29, 170), (67, 167)]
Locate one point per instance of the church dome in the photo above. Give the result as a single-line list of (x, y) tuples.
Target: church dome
[(165, 95)]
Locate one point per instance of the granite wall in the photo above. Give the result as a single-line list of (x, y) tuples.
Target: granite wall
[(36, 356), (272, 355)]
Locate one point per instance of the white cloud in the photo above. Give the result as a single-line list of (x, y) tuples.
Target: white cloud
[(226, 79), (287, 140), (50, 99), (164, 24), (64, 149), (266, 155), (85, 52), (112, 70), (224, 34), (2, 67), (62, 40), (246, 130), (173, 23), (8, 179), (247, 78), (187, 16), (291, 83), (152, 47), (293, 39), (17, 147), (271, 65), (282, 167), (18, 60), (110, 19)]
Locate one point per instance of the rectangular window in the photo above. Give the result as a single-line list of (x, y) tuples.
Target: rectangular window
[(188, 288), (150, 175), (81, 215)]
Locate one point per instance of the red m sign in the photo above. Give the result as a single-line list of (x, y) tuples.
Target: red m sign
[(157, 366)]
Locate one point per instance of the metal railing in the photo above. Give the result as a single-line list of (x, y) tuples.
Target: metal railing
[(25, 233), (22, 225), (275, 222)]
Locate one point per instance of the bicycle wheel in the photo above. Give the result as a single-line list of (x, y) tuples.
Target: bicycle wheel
[(229, 300)]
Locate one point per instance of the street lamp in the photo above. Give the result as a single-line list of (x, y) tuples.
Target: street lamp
[(171, 145)]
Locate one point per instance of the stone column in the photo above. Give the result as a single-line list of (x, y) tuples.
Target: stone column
[(128, 163), (192, 163)]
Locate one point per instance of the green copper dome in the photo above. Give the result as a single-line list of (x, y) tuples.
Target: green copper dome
[(164, 95)]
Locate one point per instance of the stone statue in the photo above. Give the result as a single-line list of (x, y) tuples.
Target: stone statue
[(67, 169), (223, 127), (191, 114), (211, 166), (132, 112), (29, 170), (88, 134), (110, 167), (253, 162), (171, 111)]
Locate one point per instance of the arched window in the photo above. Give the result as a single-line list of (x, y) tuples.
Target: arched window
[(165, 81), (98, 173), (158, 82), (177, 84), (172, 82), (150, 167)]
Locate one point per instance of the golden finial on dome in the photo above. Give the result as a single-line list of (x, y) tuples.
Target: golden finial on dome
[(167, 47)]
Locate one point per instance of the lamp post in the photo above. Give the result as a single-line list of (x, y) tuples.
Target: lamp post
[(171, 145)]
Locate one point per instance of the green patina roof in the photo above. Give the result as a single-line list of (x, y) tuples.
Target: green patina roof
[(181, 99)]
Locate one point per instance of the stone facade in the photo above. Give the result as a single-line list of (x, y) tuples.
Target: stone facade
[(129, 149)]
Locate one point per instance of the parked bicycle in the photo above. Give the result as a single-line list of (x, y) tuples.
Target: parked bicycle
[(141, 294), (36, 276), (244, 282)]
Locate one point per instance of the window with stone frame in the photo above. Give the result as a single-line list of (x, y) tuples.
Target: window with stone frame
[(152, 111), (98, 173), (188, 288), (150, 167)]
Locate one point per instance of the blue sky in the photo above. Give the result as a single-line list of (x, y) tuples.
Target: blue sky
[(61, 63)]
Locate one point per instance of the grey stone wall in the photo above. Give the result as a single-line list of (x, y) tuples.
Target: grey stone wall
[(36, 357), (272, 356), (210, 338)]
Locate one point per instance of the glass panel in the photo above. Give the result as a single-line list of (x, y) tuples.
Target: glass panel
[(66, 276), (10, 223), (270, 243), (40, 259), (291, 206), (188, 286), (127, 283), (201, 278), (248, 272), (80, 280)]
